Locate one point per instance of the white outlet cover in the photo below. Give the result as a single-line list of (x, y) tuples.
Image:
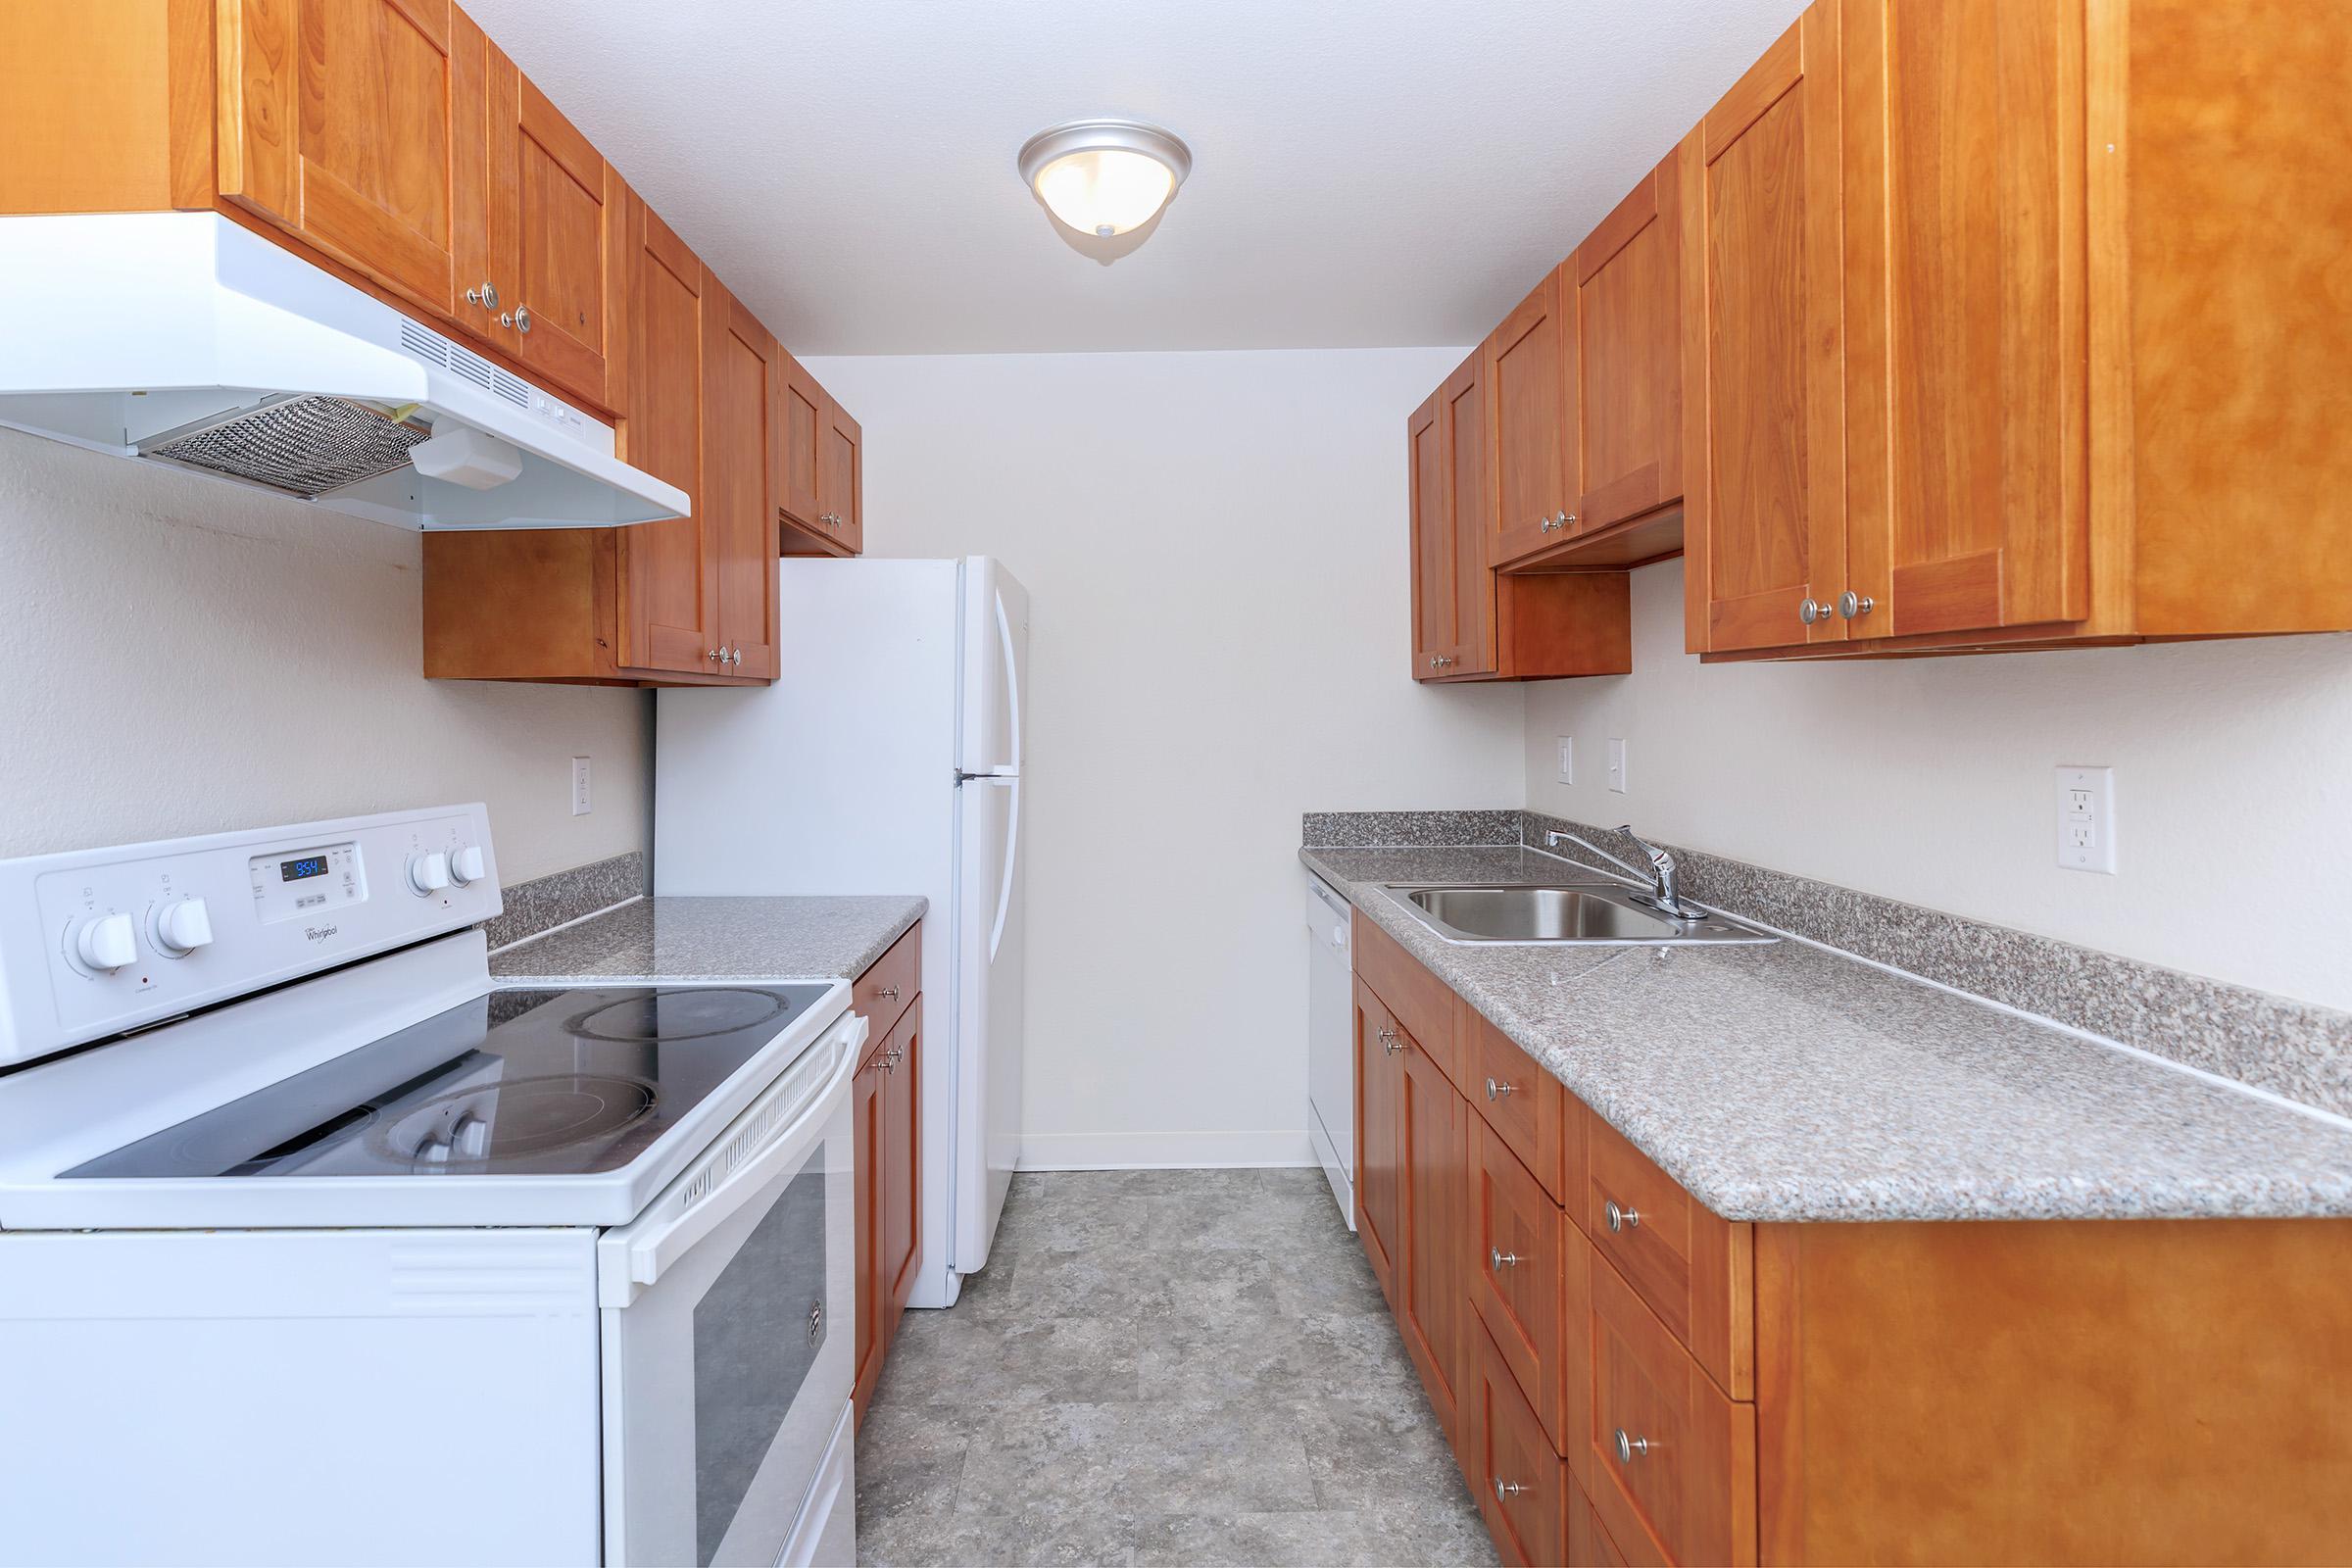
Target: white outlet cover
[(2087, 819), (1617, 765), (579, 785), (1567, 759)]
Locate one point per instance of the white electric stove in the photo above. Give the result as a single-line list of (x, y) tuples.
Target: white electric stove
[(316, 1246)]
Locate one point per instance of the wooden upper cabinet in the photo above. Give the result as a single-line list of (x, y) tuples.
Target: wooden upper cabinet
[(841, 479), (801, 432), (558, 240), (1622, 293), (1763, 433), (1530, 364), (670, 617), (346, 123), (1965, 504), (739, 489), (1430, 544), (822, 504), (1465, 436)]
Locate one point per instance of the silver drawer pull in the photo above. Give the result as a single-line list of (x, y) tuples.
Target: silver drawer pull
[(888, 993), (1495, 1091), (1500, 1258), (1505, 1491), (1629, 1448), (1388, 1038), (1622, 1220)]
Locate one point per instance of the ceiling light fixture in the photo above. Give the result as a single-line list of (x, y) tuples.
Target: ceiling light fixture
[(1105, 177)]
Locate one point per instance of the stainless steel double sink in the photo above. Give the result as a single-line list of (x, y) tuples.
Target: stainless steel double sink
[(1564, 914)]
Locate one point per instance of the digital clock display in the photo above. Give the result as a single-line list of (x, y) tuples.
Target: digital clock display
[(307, 866)]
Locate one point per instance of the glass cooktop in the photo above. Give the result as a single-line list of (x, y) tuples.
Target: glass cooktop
[(564, 1082)]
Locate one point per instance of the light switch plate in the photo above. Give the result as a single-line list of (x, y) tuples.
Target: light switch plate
[(1567, 759), (2087, 818), (579, 785), (1617, 765)]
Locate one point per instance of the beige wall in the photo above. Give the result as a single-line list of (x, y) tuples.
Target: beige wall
[(185, 655), (1215, 549), (1932, 780)]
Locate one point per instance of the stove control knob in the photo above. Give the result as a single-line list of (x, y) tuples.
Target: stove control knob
[(466, 864), (181, 927), (429, 874), (107, 941)]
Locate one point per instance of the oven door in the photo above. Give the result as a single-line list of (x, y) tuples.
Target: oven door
[(729, 1320)]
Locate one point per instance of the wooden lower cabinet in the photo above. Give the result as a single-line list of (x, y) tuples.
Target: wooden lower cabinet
[(886, 1109), (1665, 1386)]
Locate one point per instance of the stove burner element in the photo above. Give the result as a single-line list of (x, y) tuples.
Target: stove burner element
[(689, 1012), (514, 1119)]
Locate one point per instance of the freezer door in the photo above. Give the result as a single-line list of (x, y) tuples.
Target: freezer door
[(996, 668), (989, 949)]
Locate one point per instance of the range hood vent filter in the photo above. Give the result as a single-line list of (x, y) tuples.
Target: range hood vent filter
[(303, 446)]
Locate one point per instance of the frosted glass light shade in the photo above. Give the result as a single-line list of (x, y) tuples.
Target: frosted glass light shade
[(1105, 177)]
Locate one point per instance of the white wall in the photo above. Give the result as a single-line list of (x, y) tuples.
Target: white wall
[(1215, 547), (1932, 780), (184, 656)]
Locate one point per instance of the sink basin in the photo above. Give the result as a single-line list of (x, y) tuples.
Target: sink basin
[(1590, 914)]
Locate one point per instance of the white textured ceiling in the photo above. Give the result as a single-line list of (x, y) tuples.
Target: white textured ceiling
[(1382, 173)]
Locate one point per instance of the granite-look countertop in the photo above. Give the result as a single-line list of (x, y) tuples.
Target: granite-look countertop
[(1791, 1082), (663, 940)]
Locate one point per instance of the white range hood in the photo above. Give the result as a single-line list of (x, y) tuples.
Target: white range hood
[(182, 338)]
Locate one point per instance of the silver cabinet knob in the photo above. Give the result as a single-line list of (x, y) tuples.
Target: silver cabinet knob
[(1495, 1091), (1506, 1489), (1811, 610), (1388, 1039), (1567, 519), (1622, 1220), (485, 296), (713, 656), (508, 320), (888, 993), (522, 318), (1852, 605), (735, 654), (1629, 1447), (1500, 1258)]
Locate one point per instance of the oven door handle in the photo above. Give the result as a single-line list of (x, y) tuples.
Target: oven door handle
[(682, 1216)]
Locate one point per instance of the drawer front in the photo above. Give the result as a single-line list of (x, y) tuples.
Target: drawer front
[(1589, 1545), (1522, 1485), (1693, 1268), (1531, 1281), (1526, 1107), (1418, 1000), (1672, 1460), (884, 991)]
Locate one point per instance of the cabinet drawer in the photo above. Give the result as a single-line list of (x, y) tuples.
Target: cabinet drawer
[(1531, 1281), (1542, 1123), (1695, 1268), (1589, 1545), (883, 992), (1417, 999), (1671, 1459), (1522, 1485)]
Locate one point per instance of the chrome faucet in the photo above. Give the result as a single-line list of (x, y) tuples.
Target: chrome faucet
[(1659, 878)]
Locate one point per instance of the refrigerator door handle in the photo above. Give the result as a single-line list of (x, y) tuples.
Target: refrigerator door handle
[(1012, 850), (1012, 681)]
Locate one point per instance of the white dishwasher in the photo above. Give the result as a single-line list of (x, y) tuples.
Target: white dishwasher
[(1331, 1040)]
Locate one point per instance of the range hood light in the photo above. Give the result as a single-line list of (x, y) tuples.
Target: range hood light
[(467, 457)]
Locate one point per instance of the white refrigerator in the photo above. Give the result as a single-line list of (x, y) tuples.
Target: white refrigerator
[(886, 759)]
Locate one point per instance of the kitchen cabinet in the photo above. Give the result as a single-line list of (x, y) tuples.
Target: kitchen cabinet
[(668, 616), (822, 507), (886, 1099), (1639, 1377), (1468, 622), (1530, 361), (741, 372)]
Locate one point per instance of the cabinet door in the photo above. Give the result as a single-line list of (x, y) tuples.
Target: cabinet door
[(1433, 1152), (902, 1169), (1433, 561), (800, 431), (841, 479), (739, 371), (1465, 433), (555, 238), (1967, 507), (869, 1147), (1625, 282), (345, 123), (1763, 434), (1379, 1175), (1526, 366), (667, 620)]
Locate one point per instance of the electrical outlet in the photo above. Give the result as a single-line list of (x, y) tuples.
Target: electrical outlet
[(579, 785), (1617, 765), (1567, 759), (2087, 819)]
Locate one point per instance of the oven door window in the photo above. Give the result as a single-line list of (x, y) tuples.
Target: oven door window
[(726, 1377)]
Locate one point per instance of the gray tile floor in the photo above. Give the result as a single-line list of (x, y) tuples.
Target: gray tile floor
[(1188, 1367)]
